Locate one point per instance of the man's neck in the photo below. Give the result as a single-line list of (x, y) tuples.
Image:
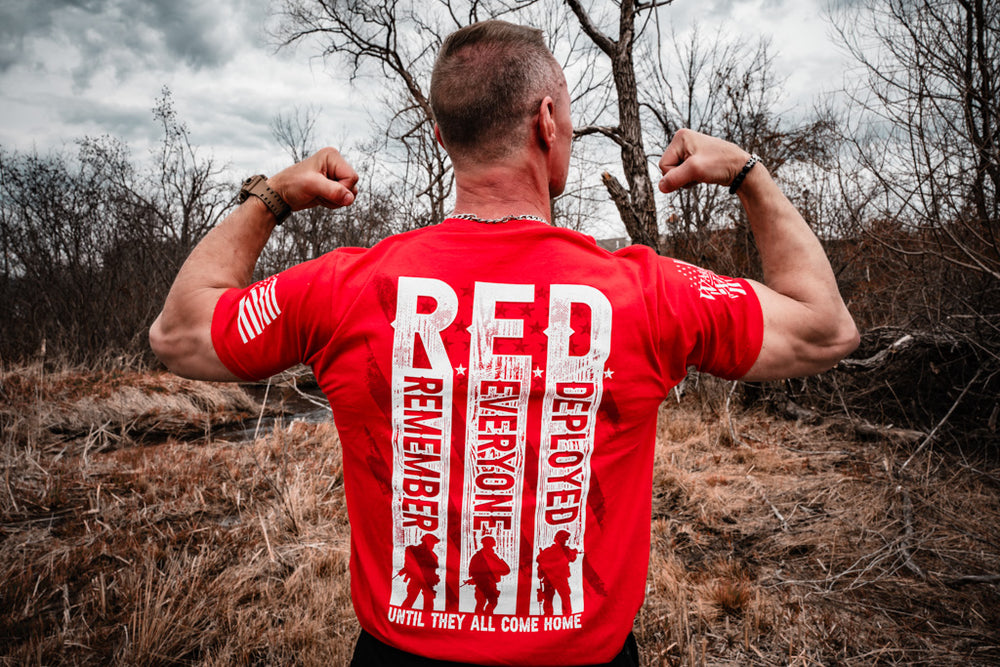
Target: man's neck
[(502, 191)]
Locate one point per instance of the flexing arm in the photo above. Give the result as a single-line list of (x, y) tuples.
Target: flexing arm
[(807, 328), (181, 336)]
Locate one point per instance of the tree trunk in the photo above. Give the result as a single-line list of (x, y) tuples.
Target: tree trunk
[(642, 203), (636, 206)]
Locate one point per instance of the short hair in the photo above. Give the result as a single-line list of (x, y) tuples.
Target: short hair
[(489, 77)]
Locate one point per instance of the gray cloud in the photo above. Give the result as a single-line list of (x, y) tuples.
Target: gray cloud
[(20, 21), (117, 35), (113, 118)]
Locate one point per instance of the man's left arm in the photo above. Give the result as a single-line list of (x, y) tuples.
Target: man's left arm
[(807, 327), (181, 335)]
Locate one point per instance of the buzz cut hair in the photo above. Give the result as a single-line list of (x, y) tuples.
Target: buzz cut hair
[(489, 78)]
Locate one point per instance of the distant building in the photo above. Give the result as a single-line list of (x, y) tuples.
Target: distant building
[(614, 244)]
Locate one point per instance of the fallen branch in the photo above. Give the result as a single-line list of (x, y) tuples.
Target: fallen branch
[(955, 582), (902, 343), (760, 492), (867, 429), (311, 398), (878, 358)]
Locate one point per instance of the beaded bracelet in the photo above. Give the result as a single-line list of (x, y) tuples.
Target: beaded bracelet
[(738, 181)]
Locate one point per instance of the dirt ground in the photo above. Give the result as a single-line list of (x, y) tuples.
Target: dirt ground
[(135, 531)]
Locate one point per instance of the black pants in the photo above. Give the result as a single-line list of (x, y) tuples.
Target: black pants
[(370, 652)]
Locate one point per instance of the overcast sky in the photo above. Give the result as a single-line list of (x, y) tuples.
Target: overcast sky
[(74, 68)]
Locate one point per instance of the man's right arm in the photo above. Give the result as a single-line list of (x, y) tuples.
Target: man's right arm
[(225, 258), (807, 327)]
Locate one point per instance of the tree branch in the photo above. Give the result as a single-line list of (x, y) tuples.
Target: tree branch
[(613, 133), (603, 42)]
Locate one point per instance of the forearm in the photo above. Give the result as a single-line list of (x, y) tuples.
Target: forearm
[(226, 256), (807, 327), (792, 258)]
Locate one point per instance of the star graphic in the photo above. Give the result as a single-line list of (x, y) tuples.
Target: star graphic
[(538, 372), (460, 369), (609, 373)]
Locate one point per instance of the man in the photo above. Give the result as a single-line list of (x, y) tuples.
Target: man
[(553, 574), (507, 373), (486, 569)]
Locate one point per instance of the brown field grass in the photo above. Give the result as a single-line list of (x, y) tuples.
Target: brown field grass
[(134, 533)]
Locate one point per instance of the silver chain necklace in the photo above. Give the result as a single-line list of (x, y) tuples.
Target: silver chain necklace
[(497, 221)]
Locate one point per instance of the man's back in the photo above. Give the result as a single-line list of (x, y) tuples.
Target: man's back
[(497, 380)]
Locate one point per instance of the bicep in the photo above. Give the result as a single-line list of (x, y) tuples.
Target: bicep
[(181, 337), (797, 340)]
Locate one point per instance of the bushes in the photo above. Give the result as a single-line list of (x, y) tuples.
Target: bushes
[(90, 243)]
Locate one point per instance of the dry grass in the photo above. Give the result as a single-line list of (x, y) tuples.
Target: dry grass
[(791, 546), (200, 552), (774, 543)]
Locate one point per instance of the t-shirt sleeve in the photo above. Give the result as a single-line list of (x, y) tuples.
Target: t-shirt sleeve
[(711, 322), (266, 327)]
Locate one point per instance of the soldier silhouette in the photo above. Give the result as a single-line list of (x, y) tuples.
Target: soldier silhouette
[(486, 569), (420, 569), (553, 574)]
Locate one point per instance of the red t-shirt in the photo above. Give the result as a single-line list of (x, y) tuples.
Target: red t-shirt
[(500, 381)]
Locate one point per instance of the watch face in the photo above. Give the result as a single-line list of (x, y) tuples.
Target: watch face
[(245, 190)]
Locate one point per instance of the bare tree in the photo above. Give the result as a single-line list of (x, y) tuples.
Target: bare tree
[(636, 205), (190, 196), (924, 132), (396, 42), (295, 132), (931, 103), (81, 260), (724, 87), (310, 233), (91, 243)]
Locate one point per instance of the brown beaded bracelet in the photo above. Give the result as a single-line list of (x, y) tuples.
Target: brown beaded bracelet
[(738, 181)]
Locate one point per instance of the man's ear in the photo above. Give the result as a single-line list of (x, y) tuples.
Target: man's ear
[(437, 135), (547, 122)]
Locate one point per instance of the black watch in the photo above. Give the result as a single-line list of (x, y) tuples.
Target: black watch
[(257, 186)]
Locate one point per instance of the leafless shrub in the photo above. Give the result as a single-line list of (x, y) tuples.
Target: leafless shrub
[(921, 181)]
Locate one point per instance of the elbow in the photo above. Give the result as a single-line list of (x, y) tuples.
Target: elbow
[(852, 341), (168, 346), (187, 351), (815, 346), (159, 342), (847, 337), (840, 338)]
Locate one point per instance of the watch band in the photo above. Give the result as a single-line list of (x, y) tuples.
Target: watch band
[(740, 177), (257, 187)]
